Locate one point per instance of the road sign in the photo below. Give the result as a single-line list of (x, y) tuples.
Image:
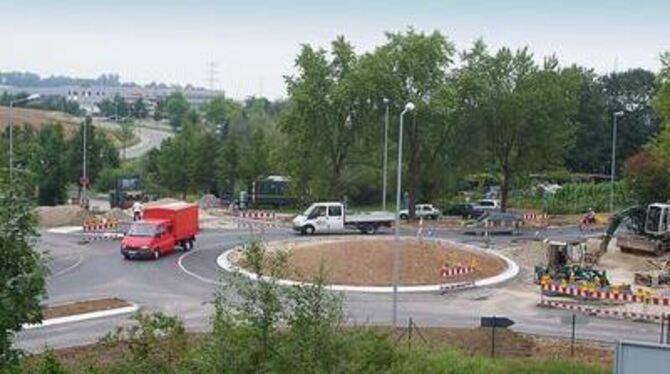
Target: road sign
[(496, 322), (83, 181)]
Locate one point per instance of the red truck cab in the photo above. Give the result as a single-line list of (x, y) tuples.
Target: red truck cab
[(161, 230)]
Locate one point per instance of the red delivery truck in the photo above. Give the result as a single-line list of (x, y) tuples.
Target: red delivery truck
[(161, 230)]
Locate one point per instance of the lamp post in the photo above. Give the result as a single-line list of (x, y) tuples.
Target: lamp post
[(386, 142), (614, 131), (396, 249), (11, 130)]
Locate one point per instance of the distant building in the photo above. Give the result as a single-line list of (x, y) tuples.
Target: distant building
[(89, 95)]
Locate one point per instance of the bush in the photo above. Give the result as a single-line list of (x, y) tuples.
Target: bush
[(576, 198)]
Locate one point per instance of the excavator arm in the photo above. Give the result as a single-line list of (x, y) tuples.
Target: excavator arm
[(635, 213)]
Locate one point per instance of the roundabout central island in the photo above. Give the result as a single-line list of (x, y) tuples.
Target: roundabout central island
[(364, 264)]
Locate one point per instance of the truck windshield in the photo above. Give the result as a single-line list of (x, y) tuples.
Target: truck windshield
[(142, 229)]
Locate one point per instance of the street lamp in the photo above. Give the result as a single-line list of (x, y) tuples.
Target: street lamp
[(614, 118), (396, 249), (11, 130), (386, 142)]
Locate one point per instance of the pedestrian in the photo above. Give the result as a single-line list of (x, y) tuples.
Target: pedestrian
[(137, 211)]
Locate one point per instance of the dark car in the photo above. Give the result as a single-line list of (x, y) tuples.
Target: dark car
[(465, 210)]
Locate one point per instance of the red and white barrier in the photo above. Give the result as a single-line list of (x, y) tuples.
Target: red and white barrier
[(600, 312), (256, 214), (100, 224), (607, 295), (457, 270)]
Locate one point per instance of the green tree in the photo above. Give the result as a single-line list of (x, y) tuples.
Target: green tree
[(216, 111), (176, 107), (522, 111), (645, 171), (139, 109), (100, 153), (662, 98), (126, 135), (593, 130), (413, 67), (631, 92), (50, 165), (322, 119), (22, 270)]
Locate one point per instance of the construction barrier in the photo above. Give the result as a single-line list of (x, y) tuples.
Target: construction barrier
[(256, 214), (600, 312), (100, 224), (447, 271), (640, 297), (246, 224), (102, 228), (456, 286)]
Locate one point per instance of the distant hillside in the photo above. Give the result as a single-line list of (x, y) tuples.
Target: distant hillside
[(37, 118)]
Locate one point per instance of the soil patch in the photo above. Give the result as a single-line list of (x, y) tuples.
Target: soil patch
[(81, 307), (62, 215), (370, 262)]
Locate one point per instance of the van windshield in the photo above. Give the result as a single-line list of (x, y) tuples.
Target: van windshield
[(142, 229)]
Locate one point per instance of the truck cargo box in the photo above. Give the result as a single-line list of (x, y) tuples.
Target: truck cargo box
[(184, 218)]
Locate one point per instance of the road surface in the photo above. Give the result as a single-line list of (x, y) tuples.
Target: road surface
[(150, 137), (184, 284)]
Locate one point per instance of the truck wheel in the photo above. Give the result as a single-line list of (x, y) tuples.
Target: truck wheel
[(157, 254), (371, 229), (308, 230), (404, 216)]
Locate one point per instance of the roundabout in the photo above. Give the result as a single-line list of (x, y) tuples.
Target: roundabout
[(361, 264)]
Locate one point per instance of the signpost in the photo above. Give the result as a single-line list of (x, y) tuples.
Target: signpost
[(494, 322)]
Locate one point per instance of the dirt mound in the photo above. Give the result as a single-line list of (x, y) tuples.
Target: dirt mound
[(118, 214), (369, 262), (62, 215)]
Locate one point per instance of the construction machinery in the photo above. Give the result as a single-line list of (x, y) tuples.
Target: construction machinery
[(567, 261), (648, 229), (127, 190)]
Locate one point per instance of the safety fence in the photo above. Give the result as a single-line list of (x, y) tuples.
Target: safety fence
[(601, 312), (641, 296)]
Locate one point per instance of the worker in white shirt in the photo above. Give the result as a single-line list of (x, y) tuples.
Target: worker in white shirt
[(137, 211)]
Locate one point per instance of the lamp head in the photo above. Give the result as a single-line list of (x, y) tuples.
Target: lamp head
[(33, 97), (409, 107)]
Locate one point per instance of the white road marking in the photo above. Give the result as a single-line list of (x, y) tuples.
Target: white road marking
[(69, 268), (194, 275)]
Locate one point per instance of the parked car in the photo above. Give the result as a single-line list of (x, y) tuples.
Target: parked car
[(487, 204), (464, 210), (422, 211), (494, 222)]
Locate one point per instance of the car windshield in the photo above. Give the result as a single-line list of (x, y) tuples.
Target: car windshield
[(142, 229)]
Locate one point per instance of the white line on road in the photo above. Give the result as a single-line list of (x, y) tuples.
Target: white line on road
[(194, 275), (69, 268)]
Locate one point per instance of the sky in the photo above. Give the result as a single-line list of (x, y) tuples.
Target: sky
[(254, 43)]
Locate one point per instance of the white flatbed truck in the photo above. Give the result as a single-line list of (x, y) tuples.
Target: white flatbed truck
[(331, 217)]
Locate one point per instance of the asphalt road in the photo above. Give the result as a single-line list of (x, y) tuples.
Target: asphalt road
[(150, 137), (184, 284)]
